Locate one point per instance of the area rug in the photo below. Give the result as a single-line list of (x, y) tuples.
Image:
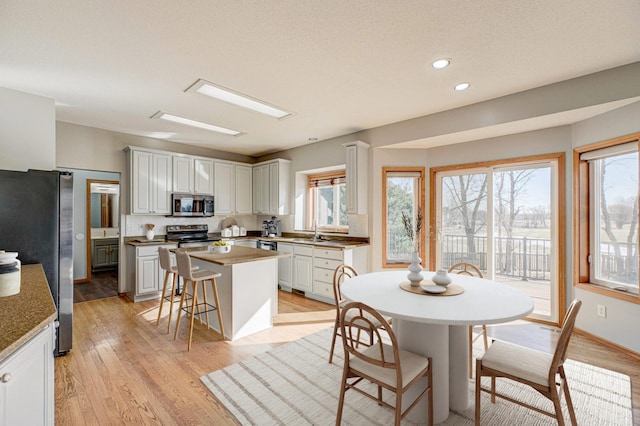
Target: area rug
[(294, 384)]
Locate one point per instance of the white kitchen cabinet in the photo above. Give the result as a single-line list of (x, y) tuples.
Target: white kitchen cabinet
[(233, 188), (357, 166), (183, 178), (302, 268), (261, 189), (285, 266), (203, 176), (243, 189), (224, 188), (151, 182), (147, 274), (27, 382), (272, 186)]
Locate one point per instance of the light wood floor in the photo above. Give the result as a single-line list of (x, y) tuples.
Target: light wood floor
[(124, 369)]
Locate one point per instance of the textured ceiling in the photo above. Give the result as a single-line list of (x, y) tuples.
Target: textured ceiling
[(340, 66)]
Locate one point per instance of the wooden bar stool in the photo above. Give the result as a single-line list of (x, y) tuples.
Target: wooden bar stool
[(165, 264), (194, 277)]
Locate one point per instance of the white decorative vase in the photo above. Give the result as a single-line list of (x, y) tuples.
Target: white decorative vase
[(150, 234), (441, 278), (415, 274)]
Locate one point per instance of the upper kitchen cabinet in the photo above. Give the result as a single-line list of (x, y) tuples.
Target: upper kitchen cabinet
[(151, 182), (232, 188), (271, 187), (357, 161), (183, 174), (203, 176), (192, 175)]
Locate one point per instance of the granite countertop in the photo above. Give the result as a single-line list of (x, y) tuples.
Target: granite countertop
[(342, 243), (25, 314), (238, 254)]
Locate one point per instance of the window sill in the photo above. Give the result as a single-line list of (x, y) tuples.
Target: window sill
[(607, 291)]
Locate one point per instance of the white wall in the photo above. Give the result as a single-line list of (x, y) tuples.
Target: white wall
[(621, 324), (27, 131)]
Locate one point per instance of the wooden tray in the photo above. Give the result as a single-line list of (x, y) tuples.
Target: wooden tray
[(452, 289)]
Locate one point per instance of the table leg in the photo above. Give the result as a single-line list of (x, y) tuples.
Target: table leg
[(459, 371), (433, 341)]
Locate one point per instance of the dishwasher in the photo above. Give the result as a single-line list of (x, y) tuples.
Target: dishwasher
[(267, 245)]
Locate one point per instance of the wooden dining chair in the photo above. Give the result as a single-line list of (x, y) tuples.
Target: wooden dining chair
[(339, 275), (470, 269), (383, 364), (543, 371)]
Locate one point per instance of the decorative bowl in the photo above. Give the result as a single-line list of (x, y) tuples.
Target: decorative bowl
[(220, 249)]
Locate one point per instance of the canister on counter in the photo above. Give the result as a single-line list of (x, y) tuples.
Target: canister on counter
[(9, 274)]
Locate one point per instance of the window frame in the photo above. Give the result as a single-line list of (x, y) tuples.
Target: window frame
[(582, 231), (336, 174), (421, 204), (559, 238)]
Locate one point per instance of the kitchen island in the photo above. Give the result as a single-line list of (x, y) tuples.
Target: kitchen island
[(247, 289)]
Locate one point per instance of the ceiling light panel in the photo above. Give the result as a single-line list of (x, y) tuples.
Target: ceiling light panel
[(461, 86), (227, 95), (193, 123)]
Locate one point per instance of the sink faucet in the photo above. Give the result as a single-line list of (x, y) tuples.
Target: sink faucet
[(315, 231)]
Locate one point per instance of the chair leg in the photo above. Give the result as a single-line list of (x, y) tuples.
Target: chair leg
[(430, 397), (555, 398), (567, 397), (398, 406), (478, 379), (182, 298), (206, 305), (218, 310), (471, 352), (343, 389), (164, 291), (194, 303), (484, 334), (333, 340), (173, 295)]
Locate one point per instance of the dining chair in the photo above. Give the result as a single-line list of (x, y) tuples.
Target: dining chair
[(543, 371), (470, 269), (188, 275), (384, 364)]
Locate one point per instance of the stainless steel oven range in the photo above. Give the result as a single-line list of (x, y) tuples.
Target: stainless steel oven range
[(190, 235)]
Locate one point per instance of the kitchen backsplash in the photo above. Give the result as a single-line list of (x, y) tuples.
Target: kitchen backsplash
[(134, 225)]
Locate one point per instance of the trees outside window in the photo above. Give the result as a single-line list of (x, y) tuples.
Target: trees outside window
[(502, 216), (328, 208), (606, 250), (404, 192)]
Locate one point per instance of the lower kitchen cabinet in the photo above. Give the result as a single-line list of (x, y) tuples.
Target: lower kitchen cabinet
[(285, 266), (27, 383), (313, 267), (302, 268), (146, 273)]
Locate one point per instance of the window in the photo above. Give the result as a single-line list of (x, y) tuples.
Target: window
[(606, 217), (503, 217), (328, 208), (404, 193)]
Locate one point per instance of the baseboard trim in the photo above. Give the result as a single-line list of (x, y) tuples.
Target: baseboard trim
[(608, 343)]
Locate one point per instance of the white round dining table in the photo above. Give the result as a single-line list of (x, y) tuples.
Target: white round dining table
[(436, 326)]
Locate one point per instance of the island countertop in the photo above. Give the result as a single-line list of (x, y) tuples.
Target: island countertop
[(238, 254), (25, 314)]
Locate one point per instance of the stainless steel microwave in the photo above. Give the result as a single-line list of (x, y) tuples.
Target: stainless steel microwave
[(192, 205)]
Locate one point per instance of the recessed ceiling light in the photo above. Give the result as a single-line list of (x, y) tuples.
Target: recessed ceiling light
[(461, 86), (194, 123), (227, 95), (440, 64)]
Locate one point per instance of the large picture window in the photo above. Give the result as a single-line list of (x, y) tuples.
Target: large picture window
[(606, 179), (404, 193), (328, 208)]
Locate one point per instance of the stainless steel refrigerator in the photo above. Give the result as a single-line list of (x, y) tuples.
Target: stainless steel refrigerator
[(36, 215)]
